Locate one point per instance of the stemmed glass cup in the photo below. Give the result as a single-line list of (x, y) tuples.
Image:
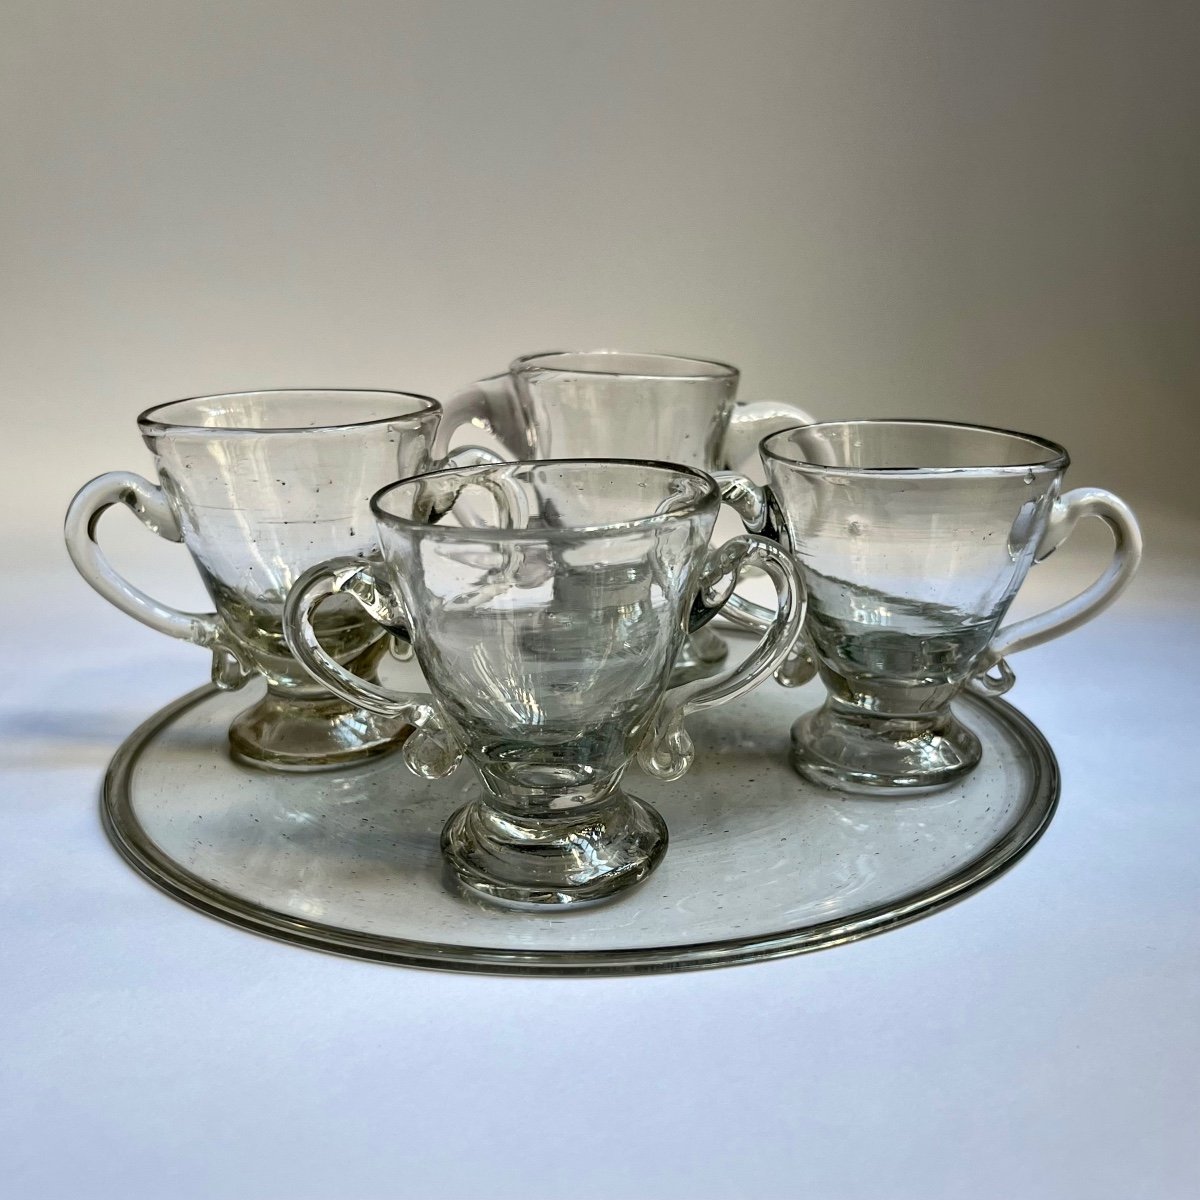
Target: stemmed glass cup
[(546, 629), (260, 486), (912, 538)]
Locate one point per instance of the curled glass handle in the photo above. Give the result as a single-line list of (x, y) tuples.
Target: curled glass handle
[(667, 751), (149, 504), (493, 406), (429, 750), (753, 421), (993, 675), (755, 504)]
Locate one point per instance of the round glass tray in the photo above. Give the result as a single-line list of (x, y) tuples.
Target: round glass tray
[(760, 863)]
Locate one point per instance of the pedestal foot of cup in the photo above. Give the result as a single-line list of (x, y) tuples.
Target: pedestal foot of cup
[(288, 733), (545, 863), (703, 654), (876, 755)]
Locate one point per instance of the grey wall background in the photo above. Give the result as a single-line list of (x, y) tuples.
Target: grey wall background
[(977, 210)]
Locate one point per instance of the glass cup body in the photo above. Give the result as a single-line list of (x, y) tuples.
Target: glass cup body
[(265, 484), (618, 404), (911, 552), (547, 648), (260, 486), (609, 404)]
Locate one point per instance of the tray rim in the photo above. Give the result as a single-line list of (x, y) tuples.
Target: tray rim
[(135, 846)]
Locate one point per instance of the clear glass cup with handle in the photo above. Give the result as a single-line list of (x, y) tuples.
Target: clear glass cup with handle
[(547, 630), (260, 486), (912, 538), (618, 404)]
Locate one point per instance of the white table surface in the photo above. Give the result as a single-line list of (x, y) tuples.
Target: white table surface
[(1039, 1039)]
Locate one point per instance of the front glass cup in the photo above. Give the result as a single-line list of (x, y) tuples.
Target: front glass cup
[(614, 404), (260, 486), (547, 630), (912, 538)]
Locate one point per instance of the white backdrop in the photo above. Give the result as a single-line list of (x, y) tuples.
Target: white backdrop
[(890, 207)]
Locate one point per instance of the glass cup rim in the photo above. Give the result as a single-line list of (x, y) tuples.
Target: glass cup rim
[(530, 362), (151, 419), (1058, 459), (709, 496)]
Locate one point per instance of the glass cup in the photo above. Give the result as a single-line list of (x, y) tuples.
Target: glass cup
[(547, 630), (612, 404), (912, 538), (260, 486)]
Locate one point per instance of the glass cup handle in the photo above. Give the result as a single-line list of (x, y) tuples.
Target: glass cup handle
[(755, 504), (149, 504), (667, 752), (469, 456), (993, 676), (751, 422), (429, 751), (491, 405)]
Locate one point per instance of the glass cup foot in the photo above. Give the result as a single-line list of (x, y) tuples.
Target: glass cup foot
[(289, 733), (703, 653), (854, 751), (554, 862)]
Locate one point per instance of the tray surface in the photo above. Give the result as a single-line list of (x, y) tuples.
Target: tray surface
[(760, 862)]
